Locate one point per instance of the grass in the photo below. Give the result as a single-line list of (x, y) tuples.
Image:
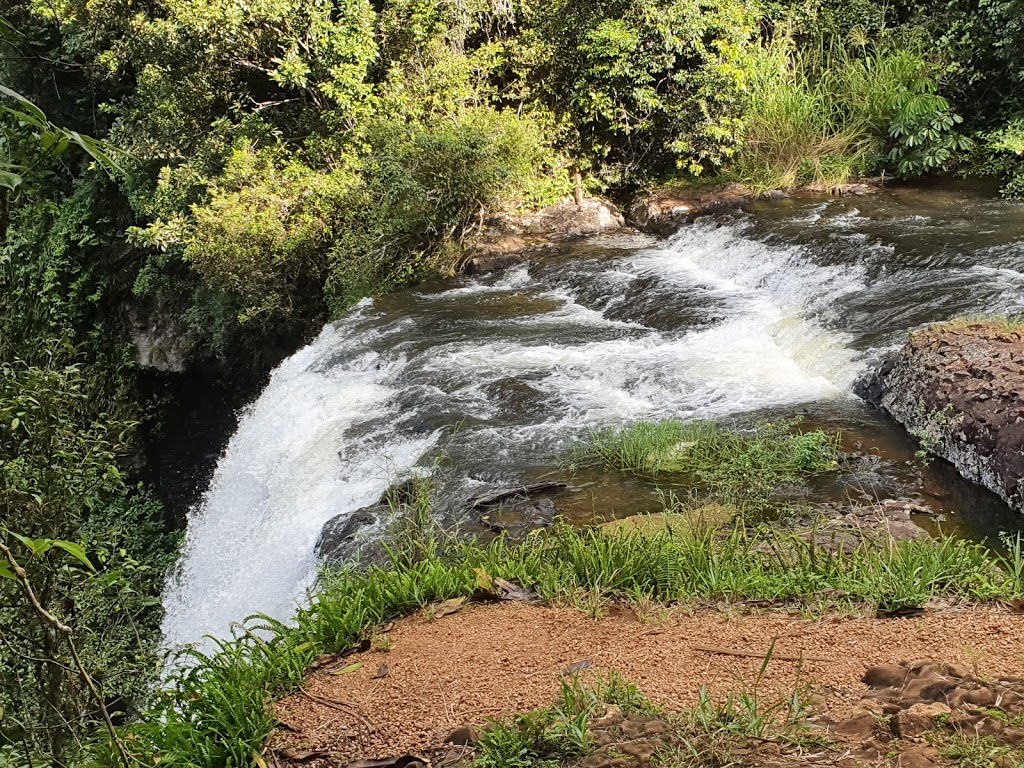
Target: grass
[(738, 467), (827, 114), (980, 752), (704, 736), (1007, 323), (215, 714)]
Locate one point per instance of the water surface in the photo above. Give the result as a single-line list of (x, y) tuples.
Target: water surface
[(771, 313)]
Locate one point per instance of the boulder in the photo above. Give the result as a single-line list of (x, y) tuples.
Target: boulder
[(510, 240), (662, 211), (959, 388), (344, 538)]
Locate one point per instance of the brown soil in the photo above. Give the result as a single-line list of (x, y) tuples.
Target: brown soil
[(486, 661)]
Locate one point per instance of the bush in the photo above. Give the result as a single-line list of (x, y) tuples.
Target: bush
[(1002, 155)]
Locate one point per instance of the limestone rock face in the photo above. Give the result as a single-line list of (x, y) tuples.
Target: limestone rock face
[(959, 388), (511, 240)]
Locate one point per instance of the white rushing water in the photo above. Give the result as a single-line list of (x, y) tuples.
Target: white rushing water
[(322, 439)]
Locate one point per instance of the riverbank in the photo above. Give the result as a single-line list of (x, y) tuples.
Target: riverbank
[(215, 712), (427, 678)]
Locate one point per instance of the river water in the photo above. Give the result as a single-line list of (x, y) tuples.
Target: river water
[(773, 312)]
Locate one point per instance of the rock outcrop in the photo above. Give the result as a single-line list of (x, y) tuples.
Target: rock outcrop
[(959, 388), (159, 338), (663, 210), (512, 240)]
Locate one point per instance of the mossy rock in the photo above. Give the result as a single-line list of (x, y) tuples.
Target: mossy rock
[(703, 518)]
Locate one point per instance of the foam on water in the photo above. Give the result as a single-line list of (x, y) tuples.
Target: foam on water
[(323, 438)]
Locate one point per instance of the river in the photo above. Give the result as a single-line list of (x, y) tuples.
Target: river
[(772, 312)]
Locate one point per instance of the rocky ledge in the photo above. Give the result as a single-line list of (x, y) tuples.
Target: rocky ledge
[(959, 388), (508, 240)]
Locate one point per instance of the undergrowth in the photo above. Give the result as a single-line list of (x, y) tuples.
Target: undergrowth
[(705, 736), (740, 467), (214, 713)]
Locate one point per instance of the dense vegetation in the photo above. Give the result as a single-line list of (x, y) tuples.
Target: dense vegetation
[(220, 177)]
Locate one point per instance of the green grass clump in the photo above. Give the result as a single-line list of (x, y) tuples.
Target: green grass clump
[(742, 467), (1007, 323), (214, 714), (702, 737)]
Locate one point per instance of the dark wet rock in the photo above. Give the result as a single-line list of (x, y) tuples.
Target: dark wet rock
[(517, 517), (517, 509), (355, 536), (664, 210), (463, 736), (344, 539), (959, 388), (501, 495), (510, 240)]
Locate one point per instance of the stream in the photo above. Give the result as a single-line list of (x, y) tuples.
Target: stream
[(772, 313)]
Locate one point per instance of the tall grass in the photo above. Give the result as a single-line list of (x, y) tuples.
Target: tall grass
[(829, 112), (214, 714)]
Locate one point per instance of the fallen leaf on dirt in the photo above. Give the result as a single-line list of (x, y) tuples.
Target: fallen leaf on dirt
[(382, 672), (323, 660), (349, 669), (485, 582), (446, 607), (403, 761), (515, 593), (578, 666), (1015, 606)]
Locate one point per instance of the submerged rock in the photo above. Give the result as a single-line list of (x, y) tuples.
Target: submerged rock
[(517, 510), (511, 240), (959, 388)]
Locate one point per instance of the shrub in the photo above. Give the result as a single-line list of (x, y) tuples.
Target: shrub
[(1002, 156)]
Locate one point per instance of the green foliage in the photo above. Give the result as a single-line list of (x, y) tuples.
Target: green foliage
[(92, 552), (741, 467), (641, 86), (1002, 156), (747, 714), (830, 114)]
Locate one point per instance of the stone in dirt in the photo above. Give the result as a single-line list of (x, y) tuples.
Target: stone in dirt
[(918, 719), (463, 736), (509, 240), (959, 388)]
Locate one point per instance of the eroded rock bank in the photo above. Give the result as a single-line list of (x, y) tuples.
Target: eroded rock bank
[(959, 388), (509, 240)]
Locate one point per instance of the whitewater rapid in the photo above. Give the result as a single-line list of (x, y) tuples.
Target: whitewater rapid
[(708, 324)]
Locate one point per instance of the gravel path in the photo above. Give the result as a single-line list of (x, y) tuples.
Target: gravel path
[(490, 660)]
